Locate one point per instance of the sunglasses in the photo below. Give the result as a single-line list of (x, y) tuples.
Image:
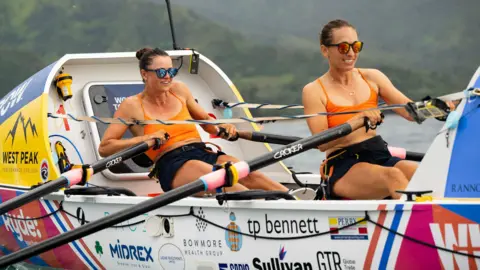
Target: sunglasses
[(344, 47), (161, 72)]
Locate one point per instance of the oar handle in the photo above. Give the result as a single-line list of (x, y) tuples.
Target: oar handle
[(128, 153), (246, 135), (404, 154), (361, 122)]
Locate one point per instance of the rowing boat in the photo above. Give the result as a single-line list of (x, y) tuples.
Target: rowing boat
[(63, 206), (235, 232)]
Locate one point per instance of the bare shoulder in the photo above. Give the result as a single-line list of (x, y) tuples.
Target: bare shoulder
[(181, 88), (310, 88), (129, 108), (312, 91), (131, 101), (373, 74)]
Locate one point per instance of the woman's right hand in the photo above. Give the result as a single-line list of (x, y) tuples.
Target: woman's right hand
[(161, 135), (374, 117)]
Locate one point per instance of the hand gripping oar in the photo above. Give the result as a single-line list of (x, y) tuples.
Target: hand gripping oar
[(76, 176), (282, 140), (226, 176)]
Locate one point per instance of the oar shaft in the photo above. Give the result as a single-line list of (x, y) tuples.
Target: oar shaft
[(207, 182), (283, 140), (102, 223), (267, 137), (299, 146), (33, 195), (116, 158)]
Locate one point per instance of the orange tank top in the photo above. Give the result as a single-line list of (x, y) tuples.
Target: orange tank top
[(177, 132), (335, 120)]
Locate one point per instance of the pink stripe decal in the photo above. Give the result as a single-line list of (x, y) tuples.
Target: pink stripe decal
[(216, 179), (412, 254), (398, 152)]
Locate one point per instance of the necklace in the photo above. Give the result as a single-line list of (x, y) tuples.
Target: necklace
[(350, 92)]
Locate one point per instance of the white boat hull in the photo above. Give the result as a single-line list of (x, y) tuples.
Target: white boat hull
[(267, 240)]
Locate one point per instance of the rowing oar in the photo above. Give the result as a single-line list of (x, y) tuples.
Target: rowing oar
[(226, 176), (75, 176), (282, 140)]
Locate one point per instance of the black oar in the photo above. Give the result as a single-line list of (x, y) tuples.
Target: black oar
[(210, 181), (75, 176), (282, 140)]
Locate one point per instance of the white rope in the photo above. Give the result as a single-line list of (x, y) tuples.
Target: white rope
[(224, 104), (260, 120)]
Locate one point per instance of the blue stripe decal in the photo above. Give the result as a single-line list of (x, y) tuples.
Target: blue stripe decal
[(391, 236), (4, 250), (74, 243), (462, 180)]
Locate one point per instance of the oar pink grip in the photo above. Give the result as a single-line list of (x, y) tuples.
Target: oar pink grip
[(75, 176), (216, 179), (398, 152)]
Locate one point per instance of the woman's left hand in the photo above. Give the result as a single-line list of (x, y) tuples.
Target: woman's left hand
[(230, 131), (452, 105)]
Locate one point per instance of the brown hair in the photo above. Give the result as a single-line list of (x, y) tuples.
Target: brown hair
[(146, 56), (326, 33)]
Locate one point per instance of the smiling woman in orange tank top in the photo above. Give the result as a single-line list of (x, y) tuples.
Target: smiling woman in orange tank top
[(359, 165), (182, 156)]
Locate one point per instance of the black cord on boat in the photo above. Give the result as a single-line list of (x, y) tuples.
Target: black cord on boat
[(107, 189), (81, 216), (295, 178), (192, 213), (84, 221), (60, 208)]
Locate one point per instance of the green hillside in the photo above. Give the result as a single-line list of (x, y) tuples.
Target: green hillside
[(433, 34), (34, 33)]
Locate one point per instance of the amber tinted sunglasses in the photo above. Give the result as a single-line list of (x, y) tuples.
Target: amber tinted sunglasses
[(344, 47)]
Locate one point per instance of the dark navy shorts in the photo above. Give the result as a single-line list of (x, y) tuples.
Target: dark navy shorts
[(167, 166), (373, 151)]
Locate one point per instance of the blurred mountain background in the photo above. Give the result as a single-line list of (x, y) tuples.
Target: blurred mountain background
[(269, 48)]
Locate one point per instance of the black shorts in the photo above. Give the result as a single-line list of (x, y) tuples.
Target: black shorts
[(374, 151), (167, 166)]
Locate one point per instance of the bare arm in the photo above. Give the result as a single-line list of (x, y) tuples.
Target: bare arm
[(389, 92), (312, 103), (112, 141)]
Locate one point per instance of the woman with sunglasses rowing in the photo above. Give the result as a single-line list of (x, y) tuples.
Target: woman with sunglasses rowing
[(358, 166), (182, 157)]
